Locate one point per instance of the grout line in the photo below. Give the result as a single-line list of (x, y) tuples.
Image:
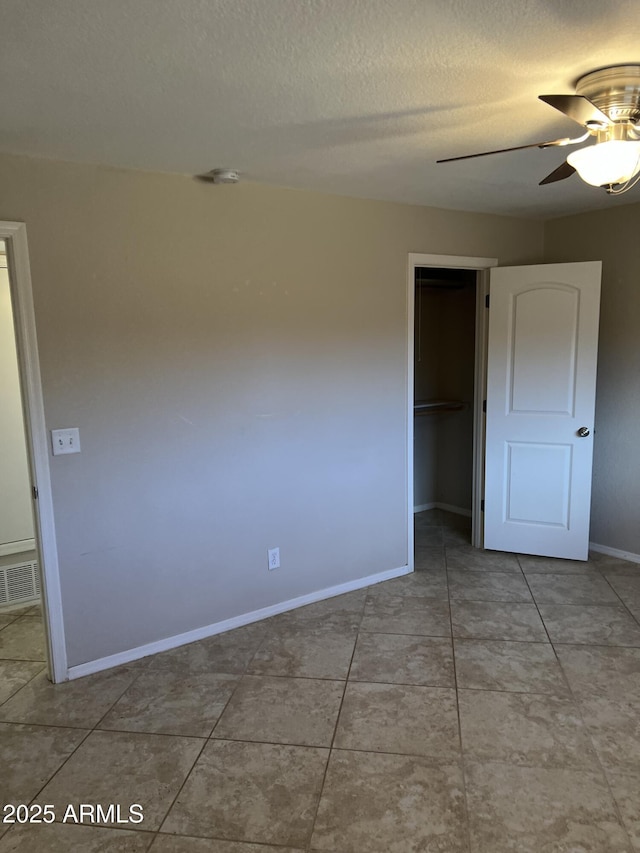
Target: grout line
[(205, 741), (457, 689), (23, 660), (526, 580), (227, 703), (55, 773), (120, 695), (90, 731), (335, 728), (28, 681), (598, 761)]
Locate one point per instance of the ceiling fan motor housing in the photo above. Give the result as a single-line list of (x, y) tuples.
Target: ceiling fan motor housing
[(615, 91)]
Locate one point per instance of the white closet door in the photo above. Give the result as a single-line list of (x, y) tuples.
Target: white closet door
[(543, 336)]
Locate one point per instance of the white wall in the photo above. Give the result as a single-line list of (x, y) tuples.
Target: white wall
[(235, 358), (16, 521)]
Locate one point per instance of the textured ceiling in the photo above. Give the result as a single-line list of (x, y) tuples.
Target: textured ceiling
[(357, 97)]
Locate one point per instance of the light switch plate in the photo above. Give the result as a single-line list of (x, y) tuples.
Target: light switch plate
[(65, 441)]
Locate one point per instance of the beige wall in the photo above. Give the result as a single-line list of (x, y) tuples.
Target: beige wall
[(16, 522), (612, 236), (235, 359)]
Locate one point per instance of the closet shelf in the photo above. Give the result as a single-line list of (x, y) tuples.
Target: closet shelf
[(433, 407)]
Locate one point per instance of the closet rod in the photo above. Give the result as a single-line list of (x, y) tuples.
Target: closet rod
[(432, 407)]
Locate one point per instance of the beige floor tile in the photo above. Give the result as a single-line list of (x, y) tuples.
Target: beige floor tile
[(405, 614), (606, 681), (423, 584), (488, 586), (531, 809), (428, 518), (456, 537), (14, 674), (613, 566), (181, 844), (125, 768), (524, 728), (551, 565), (389, 804), (455, 520), (30, 755), (172, 702), (628, 588), (251, 792), (230, 652), (403, 659), (299, 711), (305, 653), (81, 703), (429, 559), (602, 671), (614, 726), (469, 559), (23, 639), (73, 838), (497, 620), (590, 624), (504, 665), (401, 719), (341, 613), (427, 536), (571, 589), (626, 792), (393, 781)]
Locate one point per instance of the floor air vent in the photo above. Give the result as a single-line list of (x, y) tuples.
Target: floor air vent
[(19, 583)]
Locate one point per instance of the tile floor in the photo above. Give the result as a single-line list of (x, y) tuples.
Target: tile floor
[(488, 703)]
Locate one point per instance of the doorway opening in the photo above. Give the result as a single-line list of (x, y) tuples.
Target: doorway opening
[(22, 637), (41, 578), (444, 377), (447, 335)]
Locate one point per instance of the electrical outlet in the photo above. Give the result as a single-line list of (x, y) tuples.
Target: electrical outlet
[(274, 558)]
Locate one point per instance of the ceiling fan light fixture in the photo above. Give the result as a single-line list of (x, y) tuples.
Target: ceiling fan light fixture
[(607, 163)]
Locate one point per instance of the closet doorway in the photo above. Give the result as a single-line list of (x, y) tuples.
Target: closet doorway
[(447, 367)]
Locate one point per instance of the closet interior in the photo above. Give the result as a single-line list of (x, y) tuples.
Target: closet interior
[(444, 356)]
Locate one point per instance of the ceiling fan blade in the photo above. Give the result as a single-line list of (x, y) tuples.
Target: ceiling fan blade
[(564, 170), (554, 142), (578, 108)]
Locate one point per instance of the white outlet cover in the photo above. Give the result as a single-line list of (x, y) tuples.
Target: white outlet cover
[(274, 558), (65, 441)]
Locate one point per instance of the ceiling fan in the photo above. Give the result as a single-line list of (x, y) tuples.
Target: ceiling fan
[(607, 105)]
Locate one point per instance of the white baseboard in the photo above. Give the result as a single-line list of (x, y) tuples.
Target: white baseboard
[(18, 547), (614, 552), (168, 643), (424, 507), (447, 507)]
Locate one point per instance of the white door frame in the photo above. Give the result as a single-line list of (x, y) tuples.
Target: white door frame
[(482, 266), (15, 236)]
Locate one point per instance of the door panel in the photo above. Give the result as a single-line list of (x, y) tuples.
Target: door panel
[(543, 331)]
